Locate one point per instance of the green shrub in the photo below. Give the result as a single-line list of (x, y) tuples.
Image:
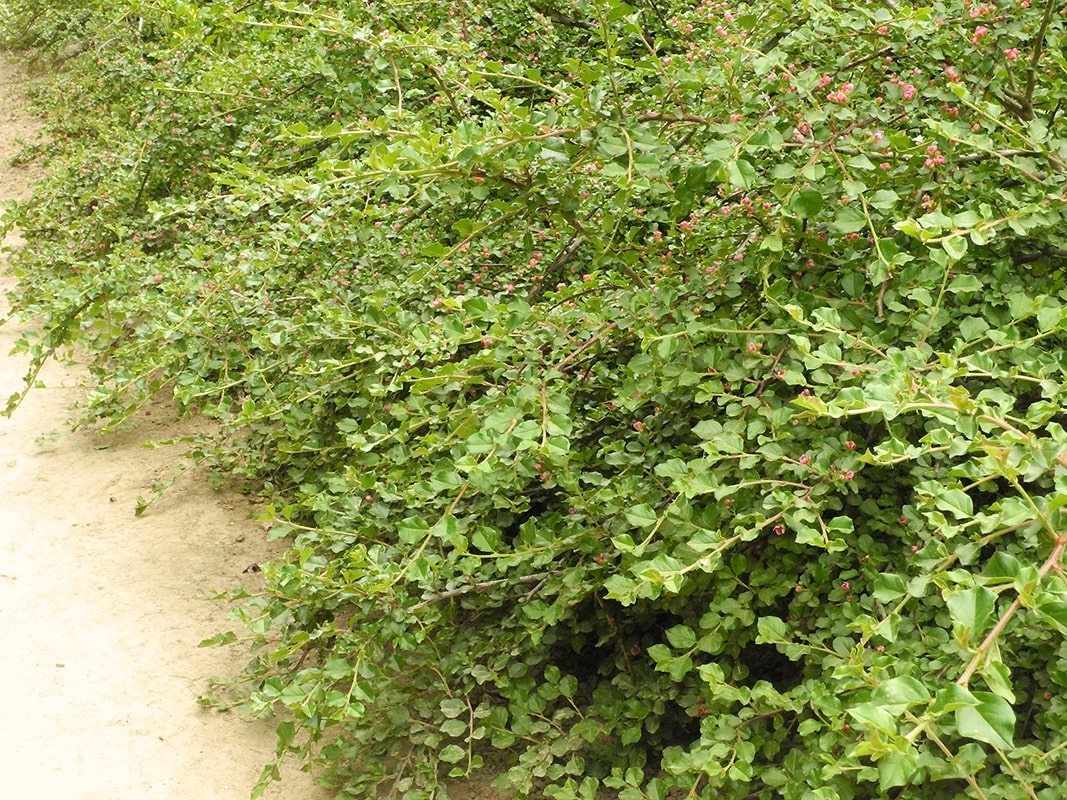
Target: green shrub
[(661, 399)]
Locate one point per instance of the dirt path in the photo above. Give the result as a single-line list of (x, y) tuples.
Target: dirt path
[(101, 611)]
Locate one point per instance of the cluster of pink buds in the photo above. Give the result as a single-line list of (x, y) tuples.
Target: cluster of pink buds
[(841, 95), (934, 158)]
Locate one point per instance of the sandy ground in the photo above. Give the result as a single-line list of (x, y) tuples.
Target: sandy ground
[(101, 611)]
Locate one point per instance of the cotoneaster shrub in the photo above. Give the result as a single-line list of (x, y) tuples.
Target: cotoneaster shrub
[(662, 400)]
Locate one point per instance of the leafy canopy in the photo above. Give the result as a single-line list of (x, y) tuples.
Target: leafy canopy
[(661, 398)]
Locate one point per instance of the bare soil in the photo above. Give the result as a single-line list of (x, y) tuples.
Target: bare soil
[(101, 611)]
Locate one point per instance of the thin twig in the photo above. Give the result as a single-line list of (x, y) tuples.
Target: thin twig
[(585, 346), (1039, 48), (535, 577)]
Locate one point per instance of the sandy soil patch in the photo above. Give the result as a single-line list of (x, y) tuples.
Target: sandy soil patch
[(101, 611)]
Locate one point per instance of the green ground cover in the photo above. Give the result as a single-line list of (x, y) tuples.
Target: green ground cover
[(662, 399)]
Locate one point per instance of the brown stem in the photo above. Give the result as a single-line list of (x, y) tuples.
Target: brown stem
[(1039, 48), (694, 118), (869, 57), (445, 91), (585, 346), (1051, 563), (536, 577)]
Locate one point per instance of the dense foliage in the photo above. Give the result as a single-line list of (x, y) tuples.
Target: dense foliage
[(663, 399)]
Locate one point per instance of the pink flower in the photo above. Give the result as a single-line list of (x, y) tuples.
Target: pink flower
[(1012, 53)]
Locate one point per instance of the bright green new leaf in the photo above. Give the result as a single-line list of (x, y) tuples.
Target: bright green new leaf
[(955, 246)]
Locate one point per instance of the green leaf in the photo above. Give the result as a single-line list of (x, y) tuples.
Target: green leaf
[(681, 637), (741, 173), (1013, 511), (219, 640), (1049, 316), (877, 717), (412, 529), (897, 769), (888, 628), (454, 727), (452, 754), (877, 271), (884, 199), (772, 630), (903, 691), (888, 587), (772, 243), (964, 283), (971, 611), (1001, 568), (955, 246), (955, 501), (998, 679), (337, 669), (1053, 607), (911, 228), (622, 589), (806, 203), (973, 327), (849, 220), (452, 707), (642, 516), (853, 188), (840, 526), (952, 698), (991, 721)]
